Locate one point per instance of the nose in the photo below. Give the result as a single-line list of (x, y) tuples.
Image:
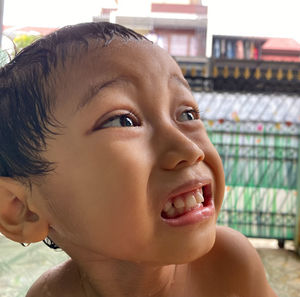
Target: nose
[(178, 150)]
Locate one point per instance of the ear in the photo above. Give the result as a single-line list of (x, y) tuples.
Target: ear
[(19, 220)]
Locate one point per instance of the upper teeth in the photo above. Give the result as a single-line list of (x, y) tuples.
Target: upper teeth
[(183, 203)]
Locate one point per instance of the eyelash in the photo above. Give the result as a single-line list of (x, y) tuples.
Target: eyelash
[(136, 122)]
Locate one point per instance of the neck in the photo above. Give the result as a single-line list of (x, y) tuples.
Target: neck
[(122, 279)]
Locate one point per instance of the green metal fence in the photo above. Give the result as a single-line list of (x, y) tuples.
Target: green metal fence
[(257, 137)]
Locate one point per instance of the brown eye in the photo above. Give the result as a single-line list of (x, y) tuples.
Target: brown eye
[(189, 115), (123, 120)]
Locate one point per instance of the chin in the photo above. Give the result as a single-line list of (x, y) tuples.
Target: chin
[(189, 251)]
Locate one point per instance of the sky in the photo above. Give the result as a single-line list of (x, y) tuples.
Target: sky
[(274, 18), (267, 18)]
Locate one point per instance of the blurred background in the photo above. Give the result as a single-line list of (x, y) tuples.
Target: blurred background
[(242, 60)]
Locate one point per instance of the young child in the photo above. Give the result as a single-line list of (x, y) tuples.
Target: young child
[(103, 151)]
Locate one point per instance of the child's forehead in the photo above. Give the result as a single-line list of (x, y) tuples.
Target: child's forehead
[(118, 50), (117, 54), (134, 59)]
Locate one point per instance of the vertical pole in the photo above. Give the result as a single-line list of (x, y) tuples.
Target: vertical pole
[(297, 229), (1, 20)]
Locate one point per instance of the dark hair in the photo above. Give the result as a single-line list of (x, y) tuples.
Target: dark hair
[(27, 94)]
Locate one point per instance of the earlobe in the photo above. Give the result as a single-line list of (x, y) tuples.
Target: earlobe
[(17, 221)]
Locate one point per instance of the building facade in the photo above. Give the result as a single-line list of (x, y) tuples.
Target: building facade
[(178, 26)]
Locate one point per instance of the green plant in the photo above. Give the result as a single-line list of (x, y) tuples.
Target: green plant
[(24, 40)]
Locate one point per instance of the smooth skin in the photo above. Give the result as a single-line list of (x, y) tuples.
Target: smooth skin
[(130, 135)]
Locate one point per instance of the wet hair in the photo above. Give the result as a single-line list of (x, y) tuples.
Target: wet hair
[(27, 94)]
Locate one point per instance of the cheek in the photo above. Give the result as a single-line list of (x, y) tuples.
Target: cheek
[(102, 190), (117, 168), (214, 162)]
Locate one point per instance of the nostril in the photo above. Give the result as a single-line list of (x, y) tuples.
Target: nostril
[(201, 156), (184, 163), (180, 156), (181, 162), (199, 159)]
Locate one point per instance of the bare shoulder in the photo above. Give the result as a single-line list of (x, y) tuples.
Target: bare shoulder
[(61, 281), (236, 266), (236, 246), (242, 262)]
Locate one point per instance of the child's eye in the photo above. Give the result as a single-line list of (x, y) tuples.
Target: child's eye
[(189, 115), (122, 120)]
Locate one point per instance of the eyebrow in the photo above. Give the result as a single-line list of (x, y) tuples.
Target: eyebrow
[(95, 89), (180, 80)]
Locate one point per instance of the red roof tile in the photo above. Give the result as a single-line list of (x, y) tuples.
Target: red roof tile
[(280, 58), (281, 44)]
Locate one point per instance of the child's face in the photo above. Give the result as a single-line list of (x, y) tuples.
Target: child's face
[(115, 173)]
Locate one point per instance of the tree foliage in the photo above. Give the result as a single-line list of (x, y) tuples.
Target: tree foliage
[(24, 40)]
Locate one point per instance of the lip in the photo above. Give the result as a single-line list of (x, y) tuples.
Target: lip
[(190, 186), (196, 215)]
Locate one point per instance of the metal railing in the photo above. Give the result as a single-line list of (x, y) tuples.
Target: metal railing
[(257, 136)]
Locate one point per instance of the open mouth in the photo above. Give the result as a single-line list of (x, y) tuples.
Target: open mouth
[(180, 205)]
